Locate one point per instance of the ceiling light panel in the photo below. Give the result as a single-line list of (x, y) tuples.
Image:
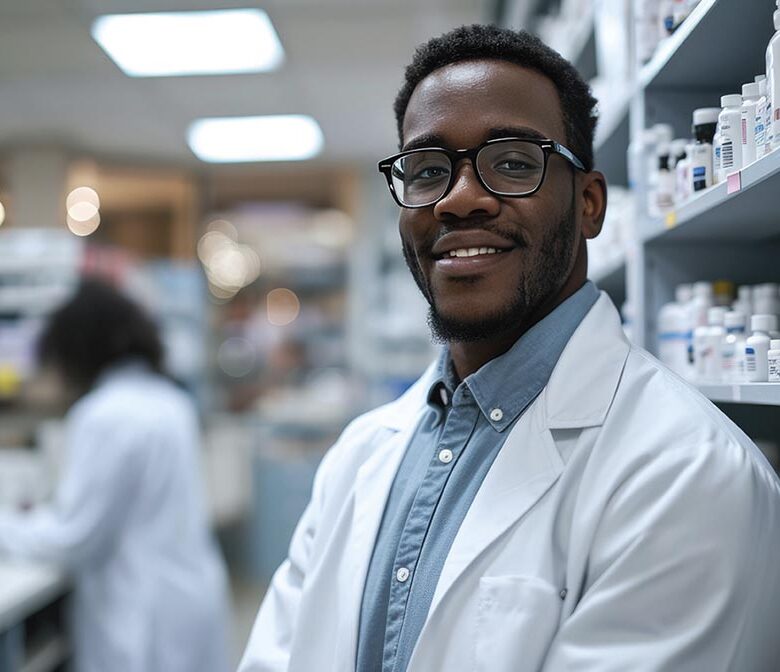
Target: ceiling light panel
[(169, 44), (269, 138)]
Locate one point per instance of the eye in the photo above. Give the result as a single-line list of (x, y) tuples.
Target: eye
[(515, 163), (430, 173)]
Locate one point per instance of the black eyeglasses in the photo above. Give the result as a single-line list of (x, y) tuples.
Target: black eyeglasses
[(513, 167)]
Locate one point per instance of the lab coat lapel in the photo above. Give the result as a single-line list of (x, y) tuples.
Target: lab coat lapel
[(372, 488), (525, 468)]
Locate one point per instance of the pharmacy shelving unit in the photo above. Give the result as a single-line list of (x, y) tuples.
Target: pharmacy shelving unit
[(731, 231)]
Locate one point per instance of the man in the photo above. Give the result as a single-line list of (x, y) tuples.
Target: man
[(546, 496)]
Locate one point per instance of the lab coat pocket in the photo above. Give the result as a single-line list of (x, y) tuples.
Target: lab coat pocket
[(517, 619)]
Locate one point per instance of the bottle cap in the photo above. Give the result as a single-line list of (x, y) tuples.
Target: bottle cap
[(705, 115), (680, 146), (734, 318), (774, 344), (762, 87), (759, 78), (731, 100), (723, 288), (683, 293), (665, 133), (716, 315), (750, 90), (702, 289), (745, 293), (763, 323)]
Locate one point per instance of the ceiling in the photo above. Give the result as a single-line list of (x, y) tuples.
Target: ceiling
[(344, 64)]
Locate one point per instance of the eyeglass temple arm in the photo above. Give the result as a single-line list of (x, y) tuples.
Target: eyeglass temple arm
[(567, 154)]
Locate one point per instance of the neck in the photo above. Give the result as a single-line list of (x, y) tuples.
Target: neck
[(470, 357)]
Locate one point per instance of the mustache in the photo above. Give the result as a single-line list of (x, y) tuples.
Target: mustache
[(511, 235)]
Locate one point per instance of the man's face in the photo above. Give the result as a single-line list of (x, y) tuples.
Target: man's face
[(471, 298)]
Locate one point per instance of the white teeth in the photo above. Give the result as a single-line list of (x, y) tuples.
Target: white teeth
[(472, 251)]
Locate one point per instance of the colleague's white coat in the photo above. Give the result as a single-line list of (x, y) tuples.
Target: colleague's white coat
[(128, 519), (626, 524)]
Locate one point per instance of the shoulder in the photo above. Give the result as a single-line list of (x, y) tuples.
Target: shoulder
[(133, 402), (661, 426)]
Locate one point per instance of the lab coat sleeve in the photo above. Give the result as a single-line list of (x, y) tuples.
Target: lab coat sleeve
[(269, 644), (682, 570), (102, 466)]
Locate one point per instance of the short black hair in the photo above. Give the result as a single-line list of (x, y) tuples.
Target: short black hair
[(491, 42), (95, 329)]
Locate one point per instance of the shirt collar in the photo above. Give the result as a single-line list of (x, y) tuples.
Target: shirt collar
[(505, 386)]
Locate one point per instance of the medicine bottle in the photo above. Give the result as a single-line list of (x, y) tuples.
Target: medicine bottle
[(733, 350), (773, 80), (682, 164), (713, 340), (773, 361), (730, 128), (757, 348), (750, 98), (664, 192), (763, 119), (705, 122)]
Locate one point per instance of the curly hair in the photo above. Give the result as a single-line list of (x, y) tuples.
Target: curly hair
[(97, 328), (491, 42)]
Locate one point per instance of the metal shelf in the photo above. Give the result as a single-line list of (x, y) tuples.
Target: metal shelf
[(716, 47), (743, 209), (764, 394)]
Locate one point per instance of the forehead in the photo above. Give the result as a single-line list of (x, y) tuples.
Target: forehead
[(461, 102)]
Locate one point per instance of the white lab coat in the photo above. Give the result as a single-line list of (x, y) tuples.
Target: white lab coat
[(128, 520), (626, 524)]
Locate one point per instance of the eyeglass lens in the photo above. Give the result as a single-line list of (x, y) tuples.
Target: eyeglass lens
[(512, 168)]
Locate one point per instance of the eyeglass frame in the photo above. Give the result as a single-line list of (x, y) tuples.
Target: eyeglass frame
[(455, 156)]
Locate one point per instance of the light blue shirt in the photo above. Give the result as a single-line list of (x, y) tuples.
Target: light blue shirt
[(443, 468)]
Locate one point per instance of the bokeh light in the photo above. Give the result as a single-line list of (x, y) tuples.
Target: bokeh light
[(2, 214), (236, 357), (283, 306), (229, 265), (84, 228), (83, 195)]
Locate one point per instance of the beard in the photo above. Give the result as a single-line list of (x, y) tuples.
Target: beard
[(544, 279)]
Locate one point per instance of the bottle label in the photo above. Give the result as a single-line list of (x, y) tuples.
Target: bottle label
[(699, 178), (726, 154)]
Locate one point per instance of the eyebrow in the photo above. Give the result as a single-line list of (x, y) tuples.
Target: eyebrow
[(433, 140)]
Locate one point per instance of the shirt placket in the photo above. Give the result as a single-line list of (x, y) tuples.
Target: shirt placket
[(457, 430)]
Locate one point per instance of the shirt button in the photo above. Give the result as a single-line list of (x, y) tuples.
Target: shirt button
[(496, 414), (402, 574), (445, 456), (563, 594)]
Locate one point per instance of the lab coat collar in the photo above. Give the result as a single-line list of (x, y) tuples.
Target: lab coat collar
[(580, 389), (583, 383)]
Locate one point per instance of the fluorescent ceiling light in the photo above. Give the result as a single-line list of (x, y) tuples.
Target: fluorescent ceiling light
[(190, 43), (291, 137)]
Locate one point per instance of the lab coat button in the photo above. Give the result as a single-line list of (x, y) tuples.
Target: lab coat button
[(445, 456), (402, 574), (496, 414), (563, 593)]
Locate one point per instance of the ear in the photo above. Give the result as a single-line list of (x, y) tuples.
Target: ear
[(593, 191)]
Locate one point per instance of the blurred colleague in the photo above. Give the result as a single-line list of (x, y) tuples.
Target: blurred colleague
[(128, 519), (547, 496)]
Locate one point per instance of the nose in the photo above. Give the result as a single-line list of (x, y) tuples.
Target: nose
[(467, 197)]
